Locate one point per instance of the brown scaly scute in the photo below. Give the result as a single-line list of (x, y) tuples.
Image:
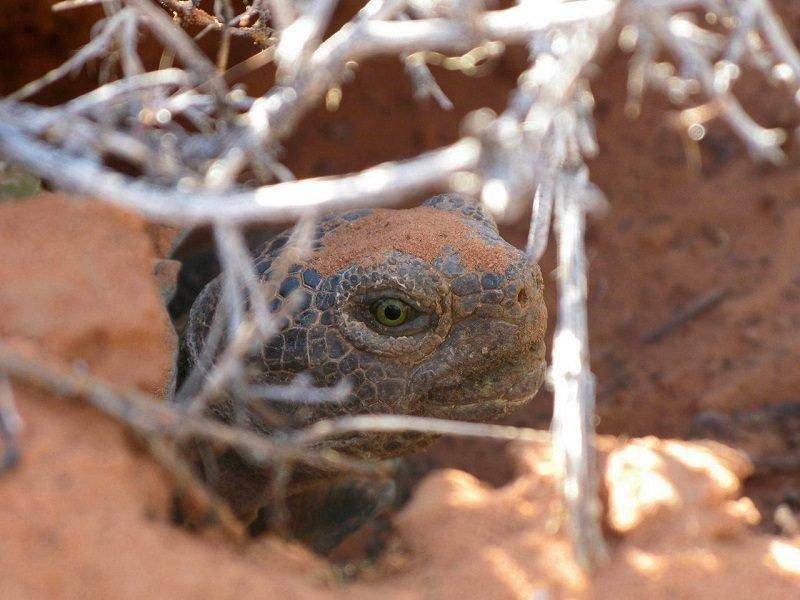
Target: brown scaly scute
[(423, 232)]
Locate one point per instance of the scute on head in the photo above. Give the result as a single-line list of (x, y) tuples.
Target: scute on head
[(443, 223)]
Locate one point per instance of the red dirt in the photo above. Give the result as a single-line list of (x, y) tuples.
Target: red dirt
[(679, 531), (88, 516), (105, 315)]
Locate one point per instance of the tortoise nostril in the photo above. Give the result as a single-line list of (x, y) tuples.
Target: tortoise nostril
[(522, 297)]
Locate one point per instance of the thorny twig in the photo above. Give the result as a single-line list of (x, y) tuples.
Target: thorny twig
[(245, 335), (573, 381), (383, 185), (98, 46), (189, 484), (197, 150), (193, 16), (149, 415)]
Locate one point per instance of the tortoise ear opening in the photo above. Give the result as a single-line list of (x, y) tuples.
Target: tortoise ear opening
[(467, 208)]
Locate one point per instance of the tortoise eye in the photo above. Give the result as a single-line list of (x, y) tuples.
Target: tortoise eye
[(390, 312)]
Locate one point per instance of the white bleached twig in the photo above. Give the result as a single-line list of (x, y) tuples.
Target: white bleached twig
[(198, 150), (382, 185)]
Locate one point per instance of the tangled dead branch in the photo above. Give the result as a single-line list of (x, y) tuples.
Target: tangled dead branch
[(181, 144), (165, 424)]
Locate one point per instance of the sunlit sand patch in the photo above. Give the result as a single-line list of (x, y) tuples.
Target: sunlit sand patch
[(639, 488), (650, 565), (705, 461), (511, 573), (784, 557)]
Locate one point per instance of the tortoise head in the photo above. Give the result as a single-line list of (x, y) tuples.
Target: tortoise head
[(426, 311)]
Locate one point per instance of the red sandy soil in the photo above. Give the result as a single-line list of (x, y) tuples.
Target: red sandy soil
[(87, 515)]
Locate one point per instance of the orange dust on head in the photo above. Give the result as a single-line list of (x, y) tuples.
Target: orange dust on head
[(423, 232)]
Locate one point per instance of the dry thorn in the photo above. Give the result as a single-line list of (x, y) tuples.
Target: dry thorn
[(197, 493), (190, 15), (151, 416)]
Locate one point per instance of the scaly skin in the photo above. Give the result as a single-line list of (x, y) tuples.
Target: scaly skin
[(474, 349)]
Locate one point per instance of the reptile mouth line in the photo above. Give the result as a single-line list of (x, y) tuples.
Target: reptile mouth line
[(495, 390)]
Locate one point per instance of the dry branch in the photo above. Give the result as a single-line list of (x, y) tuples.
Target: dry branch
[(382, 185), (149, 415), (200, 151)]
